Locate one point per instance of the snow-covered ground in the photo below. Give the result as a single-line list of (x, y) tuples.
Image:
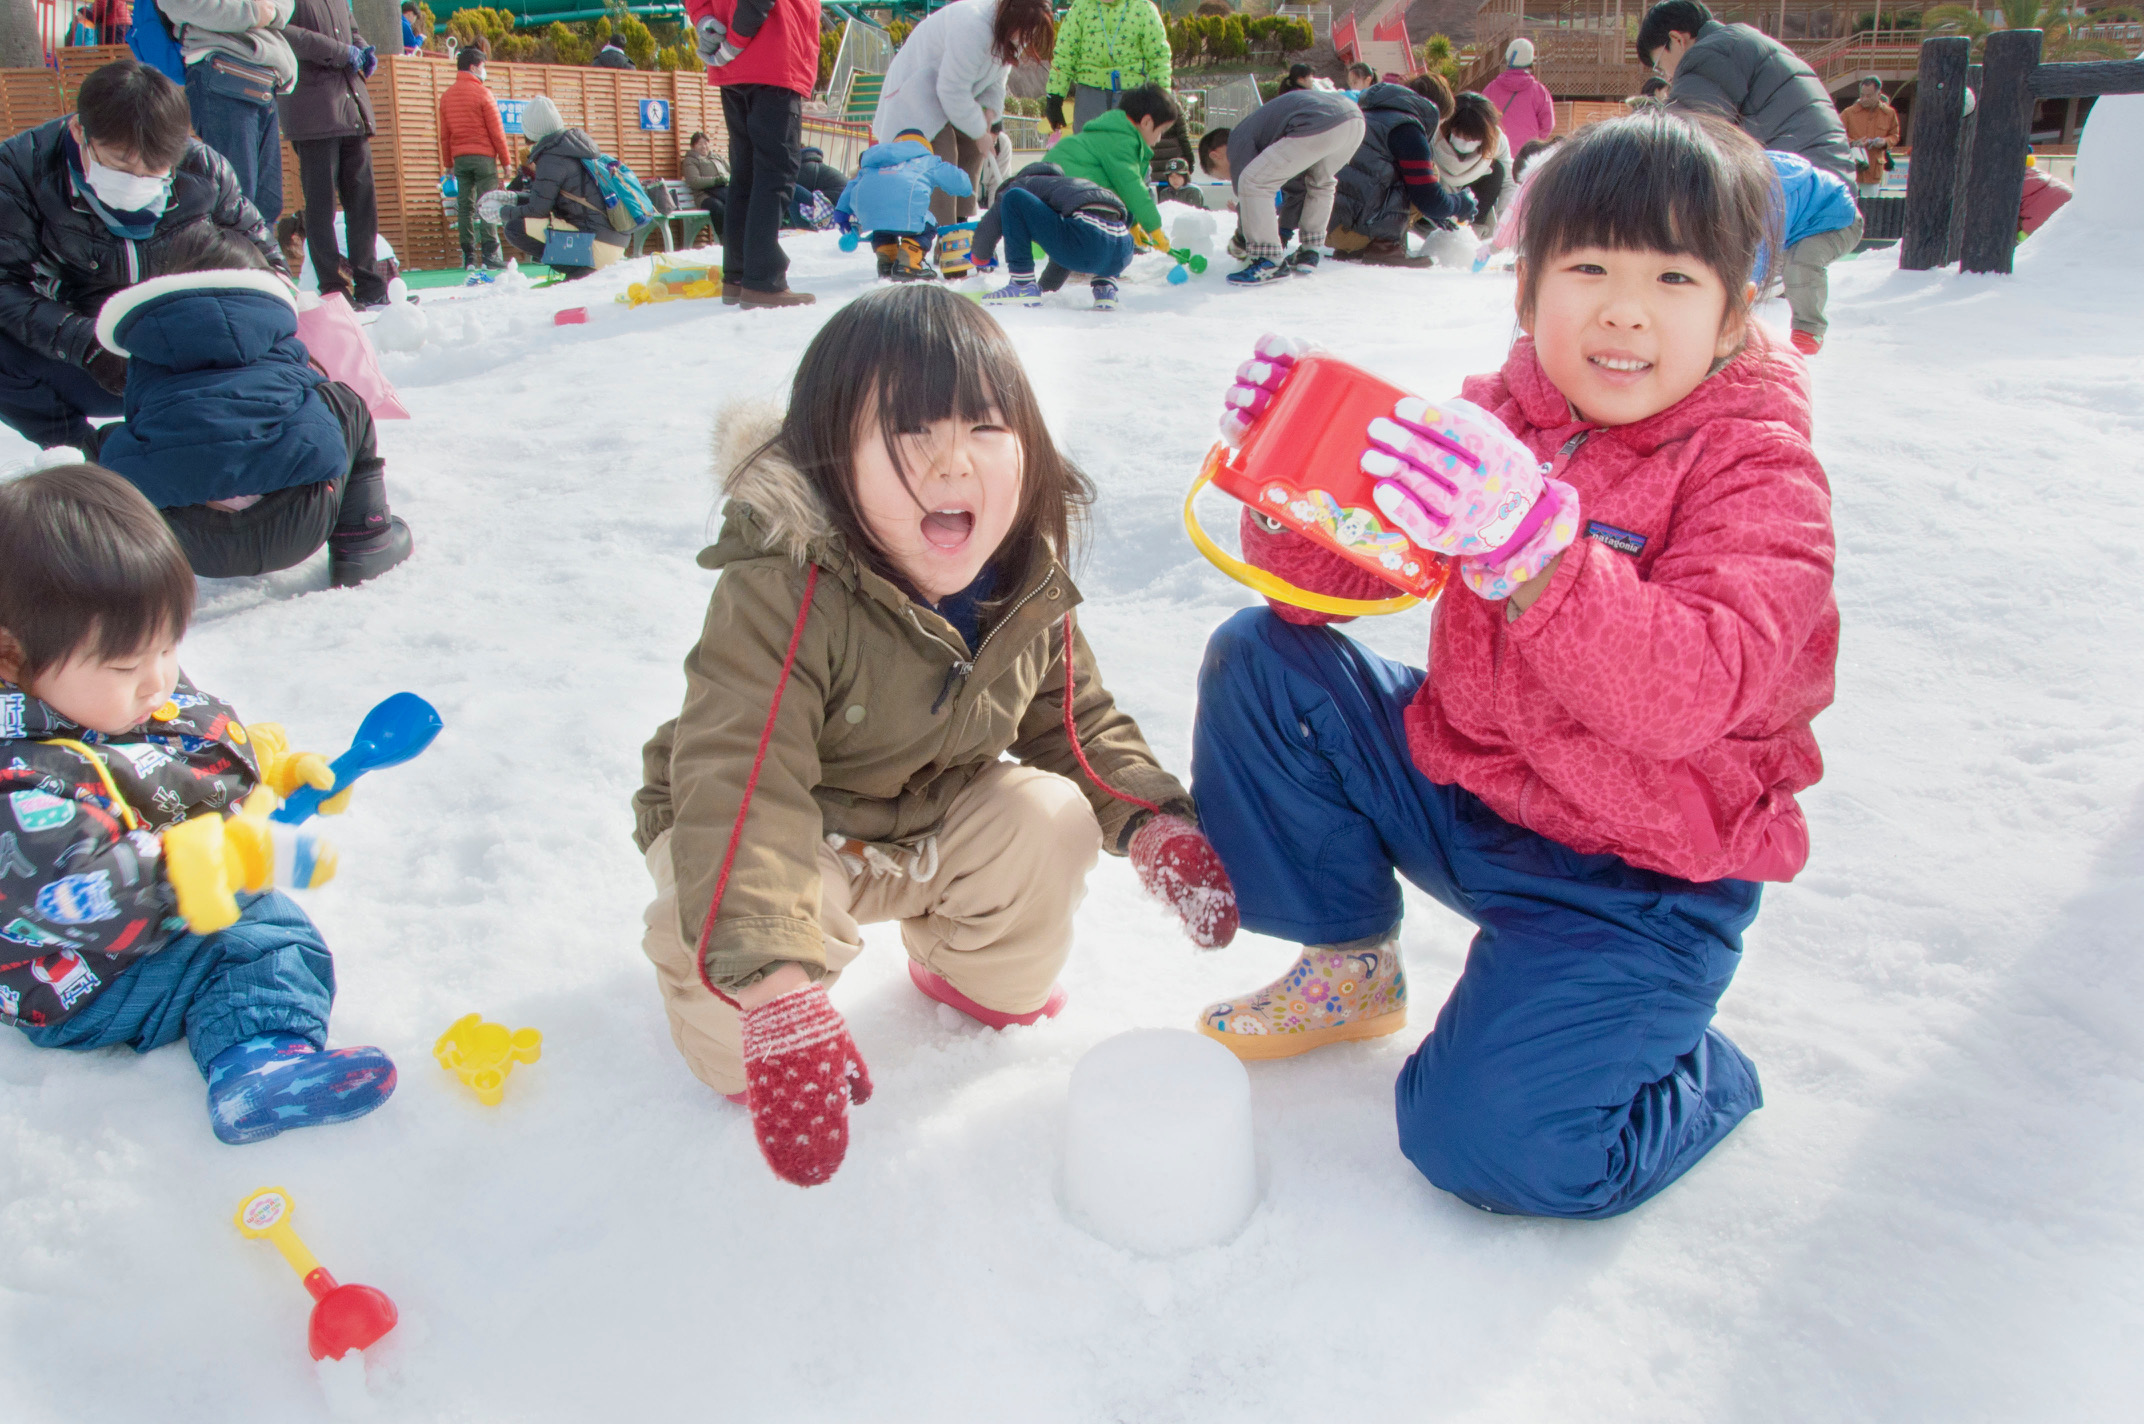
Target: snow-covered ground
[(1935, 1217)]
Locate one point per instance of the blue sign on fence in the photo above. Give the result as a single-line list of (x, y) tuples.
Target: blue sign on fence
[(655, 115), (510, 114)]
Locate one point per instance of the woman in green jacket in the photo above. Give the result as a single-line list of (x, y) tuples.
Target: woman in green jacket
[(1104, 48)]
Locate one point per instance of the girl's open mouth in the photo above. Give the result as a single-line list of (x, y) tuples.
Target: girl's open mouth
[(948, 528)]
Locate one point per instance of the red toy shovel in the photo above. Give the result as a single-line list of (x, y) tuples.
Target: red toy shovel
[(345, 1318)]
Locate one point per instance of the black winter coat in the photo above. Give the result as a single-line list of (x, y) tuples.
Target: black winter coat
[(1748, 78), (1372, 199), (58, 261), (564, 189), (86, 895), (330, 100), (1065, 195)]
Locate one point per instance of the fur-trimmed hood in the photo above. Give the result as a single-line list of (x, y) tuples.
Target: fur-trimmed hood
[(221, 398), (764, 489), (154, 319)]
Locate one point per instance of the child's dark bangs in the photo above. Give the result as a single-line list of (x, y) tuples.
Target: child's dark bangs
[(1658, 183), (941, 358)]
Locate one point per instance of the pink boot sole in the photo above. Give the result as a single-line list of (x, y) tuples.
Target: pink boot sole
[(935, 987)]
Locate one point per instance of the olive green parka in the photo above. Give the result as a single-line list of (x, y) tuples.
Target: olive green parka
[(886, 717)]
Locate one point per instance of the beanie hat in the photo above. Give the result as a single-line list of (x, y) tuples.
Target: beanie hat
[(1519, 54), (540, 119)]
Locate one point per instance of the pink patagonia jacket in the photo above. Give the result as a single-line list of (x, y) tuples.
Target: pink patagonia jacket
[(1655, 702)]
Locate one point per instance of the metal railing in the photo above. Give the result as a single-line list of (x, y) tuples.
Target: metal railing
[(1320, 17), (863, 47)]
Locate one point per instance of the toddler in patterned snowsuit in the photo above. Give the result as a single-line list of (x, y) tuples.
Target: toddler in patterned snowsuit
[(105, 749)]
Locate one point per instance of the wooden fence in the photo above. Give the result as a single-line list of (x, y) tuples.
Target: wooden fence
[(405, 148), (1968, 172)]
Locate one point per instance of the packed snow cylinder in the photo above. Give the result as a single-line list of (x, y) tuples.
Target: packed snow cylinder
[(1158, 1154)]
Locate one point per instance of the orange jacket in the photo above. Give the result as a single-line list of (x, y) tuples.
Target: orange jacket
[(469, 123)]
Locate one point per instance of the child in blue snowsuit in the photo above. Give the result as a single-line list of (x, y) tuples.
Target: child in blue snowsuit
[(889, 200), (1083, 226), (105, 747)]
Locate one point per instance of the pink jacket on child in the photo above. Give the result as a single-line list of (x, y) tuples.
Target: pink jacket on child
[(1654, 703)]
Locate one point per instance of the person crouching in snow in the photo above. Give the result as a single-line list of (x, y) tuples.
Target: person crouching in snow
[(255, 458), (562, 194), (889, 200), (1309, 132), (1600, 770), (105, 748), (1082, 226), (893, 618)]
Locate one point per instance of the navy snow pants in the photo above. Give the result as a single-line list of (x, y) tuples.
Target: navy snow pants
[(269, 973), (1074, 246), (1574, 1071)]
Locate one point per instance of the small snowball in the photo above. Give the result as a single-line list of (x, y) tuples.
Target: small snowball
[(1158, 1150)]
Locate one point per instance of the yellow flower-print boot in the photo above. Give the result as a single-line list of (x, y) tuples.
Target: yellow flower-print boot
[(1334, 993)]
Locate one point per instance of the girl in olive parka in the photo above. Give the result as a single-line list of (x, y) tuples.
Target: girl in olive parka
[(893, 618)]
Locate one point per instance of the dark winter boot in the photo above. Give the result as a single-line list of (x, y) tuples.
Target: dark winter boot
[(352, 560), (1390, 252), (367, 540)]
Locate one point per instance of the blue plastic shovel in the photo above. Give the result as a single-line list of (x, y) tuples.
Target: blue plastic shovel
[(392, 733)]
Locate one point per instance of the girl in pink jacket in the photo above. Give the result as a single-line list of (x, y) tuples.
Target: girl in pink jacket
[(1601, 768)]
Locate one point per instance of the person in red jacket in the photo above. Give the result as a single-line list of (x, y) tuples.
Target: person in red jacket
[(472, 147), (765, 56), (1601, 767)]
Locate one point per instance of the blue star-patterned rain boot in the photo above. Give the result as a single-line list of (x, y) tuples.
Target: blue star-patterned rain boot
[(1333, 993), (278, 1081)]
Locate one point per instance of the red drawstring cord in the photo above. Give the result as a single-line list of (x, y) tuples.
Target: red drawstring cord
[(751, 783), (759, 759), (1072, 734)]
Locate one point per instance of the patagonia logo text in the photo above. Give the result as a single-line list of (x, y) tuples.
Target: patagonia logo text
[(1620, 540)]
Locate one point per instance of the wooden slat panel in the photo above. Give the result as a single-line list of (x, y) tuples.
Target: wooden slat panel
[(405, 94)]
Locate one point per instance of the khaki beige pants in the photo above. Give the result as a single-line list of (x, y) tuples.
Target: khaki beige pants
[(995, 920), (963, 153), (1319, 157)]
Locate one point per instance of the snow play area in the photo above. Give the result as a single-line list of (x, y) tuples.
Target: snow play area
[(1937, 1216)]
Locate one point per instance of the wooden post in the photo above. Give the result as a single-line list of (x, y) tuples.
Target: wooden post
[(1931, 180), (1996, 184), (1960, 198)]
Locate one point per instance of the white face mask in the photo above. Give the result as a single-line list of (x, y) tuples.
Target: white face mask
[(126, 192), (1464, 146)]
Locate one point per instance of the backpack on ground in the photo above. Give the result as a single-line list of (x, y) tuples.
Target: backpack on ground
[(154, 43), (625, 202)]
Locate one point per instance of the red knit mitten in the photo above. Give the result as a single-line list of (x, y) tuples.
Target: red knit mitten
[(801, 1072), (1280, 550), (1178, 866)]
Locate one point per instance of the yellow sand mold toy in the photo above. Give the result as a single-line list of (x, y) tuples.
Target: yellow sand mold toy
[(482, 1054)]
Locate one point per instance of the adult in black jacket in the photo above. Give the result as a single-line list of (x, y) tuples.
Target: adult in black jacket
[(1391, 179), (328, 120), (63, 249), (613, 55), (561, 191), (814, 176), (1746, 77)]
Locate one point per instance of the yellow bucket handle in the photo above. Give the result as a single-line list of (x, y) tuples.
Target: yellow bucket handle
[(126, 812), (1270, 584)]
